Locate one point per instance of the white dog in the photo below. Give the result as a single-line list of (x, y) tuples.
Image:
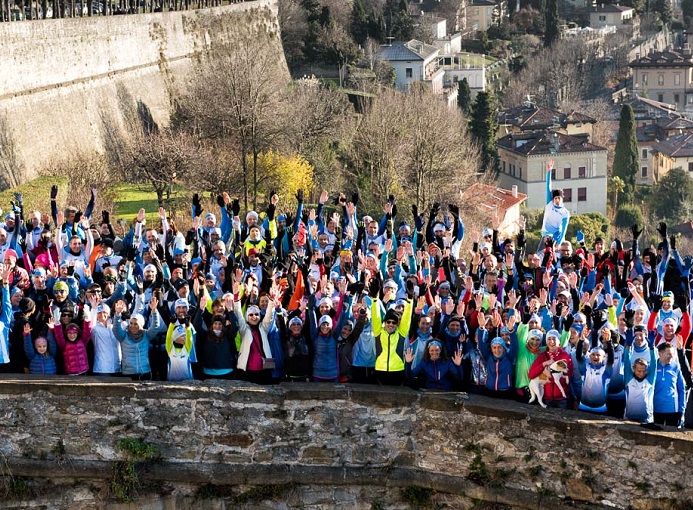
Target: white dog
[(536, 386)]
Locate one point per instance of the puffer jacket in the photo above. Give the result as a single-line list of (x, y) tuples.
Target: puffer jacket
[(136, 350), (75, 357)]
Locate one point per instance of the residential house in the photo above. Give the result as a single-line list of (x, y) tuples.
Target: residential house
[(676, 151), (530, 117), (494, 202), (481, 14), (620, 16), (665, 76), (579, 168), (650, 134), (414, 61)]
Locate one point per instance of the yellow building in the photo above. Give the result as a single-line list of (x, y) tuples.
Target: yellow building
[(676, 151)]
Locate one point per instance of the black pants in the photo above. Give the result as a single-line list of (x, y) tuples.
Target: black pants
[(616, 407), (389, 378), (140, 377), (158, 362), (508, 394), (362, 375), (671, 419), (256, 376)]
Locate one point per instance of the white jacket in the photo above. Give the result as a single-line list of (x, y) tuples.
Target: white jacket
[(247, 335)]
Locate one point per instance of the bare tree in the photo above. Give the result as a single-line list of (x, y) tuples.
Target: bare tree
[(11, 166), (237, 93)]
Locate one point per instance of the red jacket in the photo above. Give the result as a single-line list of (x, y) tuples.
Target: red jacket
[(551, 391)]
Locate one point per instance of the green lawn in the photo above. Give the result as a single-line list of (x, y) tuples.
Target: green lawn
[(131, 198), (36, 194)]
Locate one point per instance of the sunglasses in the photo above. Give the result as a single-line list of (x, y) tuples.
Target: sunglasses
[(253, 315), (390, 322)]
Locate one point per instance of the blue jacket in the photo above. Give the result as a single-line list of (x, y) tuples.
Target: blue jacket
[(38, 363), (669, 394), (136, 352), (500, 372), (437, 375)]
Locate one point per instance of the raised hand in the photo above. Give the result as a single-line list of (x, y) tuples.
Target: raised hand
[(636, 232), (457, 358), (481, 318), (27, 329), (324, 197), (409, 355), (153, 303), (662, 229)]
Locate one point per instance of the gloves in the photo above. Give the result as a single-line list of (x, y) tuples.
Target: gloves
[(270, 211), (687, 262), (446, 222), (435, 209), (548, 241), (220, 201), (567, 322), (54, 192), (580, 236), (140, 285), (299, 196), (629, 318), (355, 288), (18, 197), (355, 198), (598, 318), (454, 210), (394, 210), (197, 207), (289, 219), (656, 302), (187, 321), (672, 242), (235, 207), (105, 216), (374, 288), (635, 231), (173, 319), (418, 218), (662, 229), (410, 289), (93, 191), (78, 217)]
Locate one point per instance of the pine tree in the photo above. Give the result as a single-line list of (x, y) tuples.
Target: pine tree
[(359, 22), (483, 128), (551, 30), (464, 97), (626, 160)]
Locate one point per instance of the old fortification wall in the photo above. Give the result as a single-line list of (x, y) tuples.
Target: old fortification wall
[(324, 446), (69, 85)]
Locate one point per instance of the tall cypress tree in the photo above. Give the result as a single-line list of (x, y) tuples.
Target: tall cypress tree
[(359, 22), (551, 30), (483, 128), (464, 97), (626, 157)]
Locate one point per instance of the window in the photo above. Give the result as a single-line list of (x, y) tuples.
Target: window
[(504, 167), (582, 194), (689, 98), (676, 98), (582, 172), (567, 195), (660, 79), (643, 172), (690, 167), (677, 79), (644, 78), (553, 174), (520, 170), (566, 173), (410, 72), (644, 154), (660, 98), (602, 17)]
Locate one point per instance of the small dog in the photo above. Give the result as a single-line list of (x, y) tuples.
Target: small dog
[(536, 386)]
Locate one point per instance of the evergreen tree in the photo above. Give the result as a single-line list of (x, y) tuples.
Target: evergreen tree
[(671, 197), (359, 22), (551, 30), (663, 10), (400, 24), (626, 157), (464, 97), (483, 128)]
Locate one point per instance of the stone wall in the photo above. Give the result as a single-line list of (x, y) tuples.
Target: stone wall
[(67, 85), (232, 444)]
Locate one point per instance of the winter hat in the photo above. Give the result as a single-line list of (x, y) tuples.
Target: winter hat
[(181, 302), (39, 271), (535, 318), (11, 253), (436, 343), (139, 318), (487, 232), (553, 333), (597, 350), (251, 214), (325, 319), (667, 295), (556, 193), (325, 301), (390, 284), (392, 315), (670, 320), (296, 320), (252, 309), (179, 331), (60, 285), (535, 333), (103, 307), (498, 341), (150, 267), (577, 327)]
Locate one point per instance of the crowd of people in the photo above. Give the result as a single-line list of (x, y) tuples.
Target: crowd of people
[(301, 295)]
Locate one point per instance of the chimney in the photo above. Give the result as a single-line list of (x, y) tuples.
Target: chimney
[(514, 191)]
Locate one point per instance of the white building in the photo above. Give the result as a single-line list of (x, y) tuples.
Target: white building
[(579, 168), (414, 61)]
